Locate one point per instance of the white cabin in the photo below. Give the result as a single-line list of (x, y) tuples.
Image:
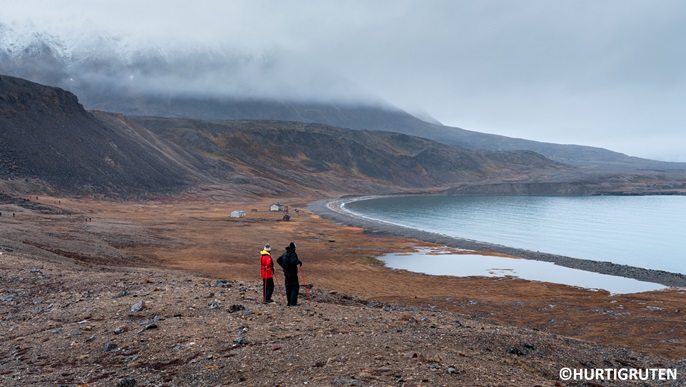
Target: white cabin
[(238, 214)]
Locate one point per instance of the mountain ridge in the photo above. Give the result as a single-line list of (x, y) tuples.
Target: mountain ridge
[(46, 134), (116, 75)]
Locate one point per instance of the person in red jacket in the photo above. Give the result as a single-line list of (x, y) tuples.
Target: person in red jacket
[(267, 274)]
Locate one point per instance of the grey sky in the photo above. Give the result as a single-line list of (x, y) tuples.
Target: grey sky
[(608, 73)]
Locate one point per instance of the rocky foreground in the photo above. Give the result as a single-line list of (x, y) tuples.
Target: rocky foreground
[(163, 293), (103, 326)]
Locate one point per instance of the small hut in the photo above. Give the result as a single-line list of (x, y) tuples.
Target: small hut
[(238, 214), (276, 207)]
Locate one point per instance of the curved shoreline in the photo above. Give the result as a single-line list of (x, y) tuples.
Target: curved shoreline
[(331, 209)]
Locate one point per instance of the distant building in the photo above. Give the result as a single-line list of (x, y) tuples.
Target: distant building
[(276, 207), (238, 214)]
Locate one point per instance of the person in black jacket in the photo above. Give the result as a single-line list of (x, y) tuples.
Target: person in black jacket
[(289, 262)]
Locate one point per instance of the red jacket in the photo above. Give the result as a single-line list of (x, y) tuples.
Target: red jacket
[(267, 264)]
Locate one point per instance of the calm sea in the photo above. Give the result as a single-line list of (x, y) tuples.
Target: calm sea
[(642, 231)]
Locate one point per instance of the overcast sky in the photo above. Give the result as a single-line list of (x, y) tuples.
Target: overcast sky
[(606, 73)]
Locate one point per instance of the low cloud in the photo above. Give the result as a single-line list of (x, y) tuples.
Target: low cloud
[(591, 73)]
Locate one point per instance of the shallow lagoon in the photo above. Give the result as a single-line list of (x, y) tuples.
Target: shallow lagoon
[(464, 265)]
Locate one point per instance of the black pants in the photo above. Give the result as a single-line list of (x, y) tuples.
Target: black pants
[(292, 289), (267, 289)]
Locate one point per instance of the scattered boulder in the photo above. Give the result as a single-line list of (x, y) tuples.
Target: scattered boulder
[(236, 308), (127, 382), (137, 307), (109, 346)]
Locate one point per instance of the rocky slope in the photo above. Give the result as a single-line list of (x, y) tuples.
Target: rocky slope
[(328, 158), (88, 296), (126, 327), (47, 139), (46, 134)]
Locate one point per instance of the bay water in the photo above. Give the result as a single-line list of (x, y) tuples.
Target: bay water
[(641, 231)]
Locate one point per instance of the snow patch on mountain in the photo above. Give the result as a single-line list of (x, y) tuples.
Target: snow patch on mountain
[(79, 61)]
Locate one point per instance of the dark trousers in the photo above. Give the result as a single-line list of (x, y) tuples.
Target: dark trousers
[(292, 289), (267, 289)]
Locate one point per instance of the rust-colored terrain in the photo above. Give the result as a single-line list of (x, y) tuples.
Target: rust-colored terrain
[(70, 274)]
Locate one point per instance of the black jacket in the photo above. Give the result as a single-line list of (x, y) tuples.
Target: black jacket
[(289, 262)]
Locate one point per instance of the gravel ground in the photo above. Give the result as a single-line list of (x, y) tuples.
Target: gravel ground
[(97, 303), (101, 326)]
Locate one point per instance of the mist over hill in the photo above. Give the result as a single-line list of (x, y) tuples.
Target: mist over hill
[(118, 74), (47, 136)]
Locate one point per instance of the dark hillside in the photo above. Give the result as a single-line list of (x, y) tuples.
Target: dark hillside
[(48, 139), (327, 158), (363, 117), (46, 134)]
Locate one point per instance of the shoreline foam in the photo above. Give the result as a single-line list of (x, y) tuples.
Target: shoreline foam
[(332, 210)]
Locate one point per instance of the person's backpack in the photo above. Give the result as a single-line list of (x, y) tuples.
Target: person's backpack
[(281, 260)]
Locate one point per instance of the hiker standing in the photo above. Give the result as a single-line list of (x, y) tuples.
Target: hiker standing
[(267, 273), (289, 262)]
